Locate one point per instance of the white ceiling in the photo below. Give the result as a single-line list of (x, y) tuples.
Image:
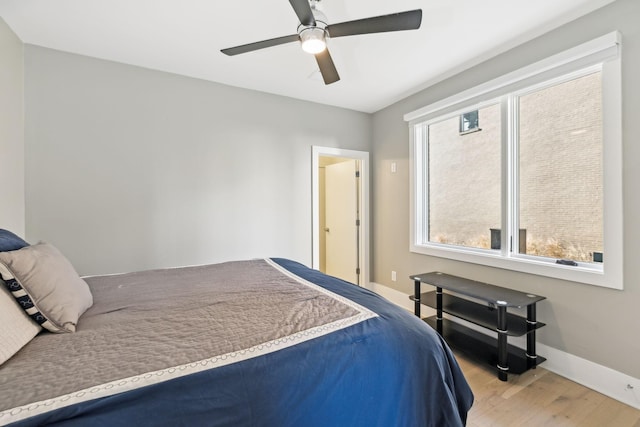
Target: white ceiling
[(185, 37)]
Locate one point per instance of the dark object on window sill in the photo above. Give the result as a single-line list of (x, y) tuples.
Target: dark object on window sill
[(466, 132), (567, 262)]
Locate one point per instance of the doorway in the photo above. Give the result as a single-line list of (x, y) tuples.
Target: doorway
[(340, 182)]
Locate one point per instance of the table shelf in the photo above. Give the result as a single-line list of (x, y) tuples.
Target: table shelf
[(482, 347), (481, 315)]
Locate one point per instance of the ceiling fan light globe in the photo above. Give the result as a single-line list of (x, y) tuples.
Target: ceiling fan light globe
[(314, 46), (313, 40)]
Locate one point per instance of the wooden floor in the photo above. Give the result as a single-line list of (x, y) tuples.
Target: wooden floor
[(540, 398)]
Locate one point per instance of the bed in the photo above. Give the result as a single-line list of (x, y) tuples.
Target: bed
[(265, 342)]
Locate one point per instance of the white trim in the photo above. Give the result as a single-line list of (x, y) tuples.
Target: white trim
[(621, 387), (613, 209), (617, 385), (594, 47), (398, 298), (521, 264), (363, 156)]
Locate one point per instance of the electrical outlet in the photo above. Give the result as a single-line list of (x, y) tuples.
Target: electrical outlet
[(393, 276), (631, 388), (394, 167)]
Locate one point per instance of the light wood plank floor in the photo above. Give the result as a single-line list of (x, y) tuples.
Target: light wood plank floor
[(540, 398)]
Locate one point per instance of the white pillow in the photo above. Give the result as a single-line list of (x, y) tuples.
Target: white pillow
[(46, 285), (16, 328)]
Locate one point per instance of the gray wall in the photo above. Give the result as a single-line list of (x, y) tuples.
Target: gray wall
[(597, 324), (11, 131), (129, 168)]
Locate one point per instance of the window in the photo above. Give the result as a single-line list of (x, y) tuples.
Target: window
[(538, 187), (469, 122), (560, 169), (464, 180)]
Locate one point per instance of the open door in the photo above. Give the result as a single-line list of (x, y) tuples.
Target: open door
[(321, 157), (342, 220)]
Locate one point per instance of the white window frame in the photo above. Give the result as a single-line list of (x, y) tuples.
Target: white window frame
[(602, 54)]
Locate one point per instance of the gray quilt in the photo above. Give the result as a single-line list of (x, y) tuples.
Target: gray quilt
[(157, 323)]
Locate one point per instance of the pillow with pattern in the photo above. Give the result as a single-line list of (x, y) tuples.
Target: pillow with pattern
[(17, 329), (46, 285)]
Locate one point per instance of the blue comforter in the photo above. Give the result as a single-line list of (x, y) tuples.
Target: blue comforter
[(391, 370)]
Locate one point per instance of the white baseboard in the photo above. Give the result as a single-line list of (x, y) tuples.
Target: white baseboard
[(618, 386), (396, 297)]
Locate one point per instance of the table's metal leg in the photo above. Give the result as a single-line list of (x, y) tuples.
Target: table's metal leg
[(416, 297), (439, 309), (503, 356), (531, 337)]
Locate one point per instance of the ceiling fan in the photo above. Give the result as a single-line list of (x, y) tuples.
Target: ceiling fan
[(314, 30)]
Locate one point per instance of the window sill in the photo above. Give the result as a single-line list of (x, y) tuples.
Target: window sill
[(595, 275)]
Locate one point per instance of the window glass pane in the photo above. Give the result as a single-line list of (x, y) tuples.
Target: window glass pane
[(560, 160), (464, 180)]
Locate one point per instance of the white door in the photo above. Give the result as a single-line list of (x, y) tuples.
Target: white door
[(341, 231)]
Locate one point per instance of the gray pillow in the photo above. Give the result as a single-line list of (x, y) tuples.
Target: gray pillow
[(46, 285)]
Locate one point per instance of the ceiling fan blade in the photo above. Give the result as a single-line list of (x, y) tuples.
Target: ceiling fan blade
[(410, 20), (327, 67), (303, 10), (260, 45)]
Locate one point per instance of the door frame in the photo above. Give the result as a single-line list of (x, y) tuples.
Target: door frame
[(363, 156)]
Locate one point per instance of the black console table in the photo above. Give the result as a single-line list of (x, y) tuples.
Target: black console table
[(507, 358)]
